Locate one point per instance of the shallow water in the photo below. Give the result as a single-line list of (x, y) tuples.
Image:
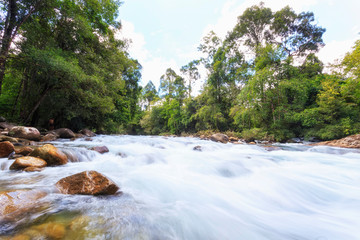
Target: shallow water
[(225, 191)]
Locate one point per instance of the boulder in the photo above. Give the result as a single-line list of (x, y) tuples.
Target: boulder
[(87, 183), (24, 162), (24, 151), (33, 169), (87, 132), (50, 154), (233, 139), (49, 137), (65, 133), (6, 148), (18, 201), (29, 133), (100, 149), (352, 141), (219, 137)]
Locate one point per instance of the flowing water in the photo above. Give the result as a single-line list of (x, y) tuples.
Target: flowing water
[(224, 191)]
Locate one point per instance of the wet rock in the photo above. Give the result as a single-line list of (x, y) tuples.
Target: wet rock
[(33, 169), (49, 137), (87, 183), (52, 230), (65, 133), (17, 202), (352, 141), (88, 139), (7, 138), (272, 148), (79, 135), (29, 133), (50, 154), (21, 237), (24, 162), (24, 151), (87, 133), (197, 148), (252, 143), (6, 148), (219, 137), (123, 155), (233, 139), (100, 149)]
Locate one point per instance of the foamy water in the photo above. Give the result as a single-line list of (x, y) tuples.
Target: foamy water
[(225, 191)]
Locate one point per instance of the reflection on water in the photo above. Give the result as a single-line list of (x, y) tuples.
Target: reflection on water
[(170, 191)]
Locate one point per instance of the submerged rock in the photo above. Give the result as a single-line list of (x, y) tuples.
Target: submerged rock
[(29, 133), (197, 148), (52, 230), (25, 162), (18, 202), (6, 148), (100, 149), (219, 137), (352, 141), (87, 183), (50, 154)]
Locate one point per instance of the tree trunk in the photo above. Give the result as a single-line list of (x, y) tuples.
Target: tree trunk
[(42, 97)]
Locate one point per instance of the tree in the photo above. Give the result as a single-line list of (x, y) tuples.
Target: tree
[(192, 73), (149, 94)]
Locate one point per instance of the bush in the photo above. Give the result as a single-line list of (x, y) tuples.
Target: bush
[(253, 134)]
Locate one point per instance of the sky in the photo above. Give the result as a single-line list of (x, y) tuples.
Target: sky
[(166, 33)]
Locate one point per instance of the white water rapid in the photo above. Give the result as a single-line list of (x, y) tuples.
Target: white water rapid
[(225, 191)]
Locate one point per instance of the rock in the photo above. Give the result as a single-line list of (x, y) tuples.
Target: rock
[(2, 119), (87, 183), (21, 237), (123, 155), (252, 143), (79, 135), (24, 162), (52, 230), (18, 202), (50, 154), (271, 148), (33, 169), (233, 139), (203, 137), (219, 137), (352, 141), (87, 133), (7, 138), (100, 149), (89, 139), (197, 148), (14, 156), (65, 133), (6, 148), (49, 137), (29, 133), (24, 151)]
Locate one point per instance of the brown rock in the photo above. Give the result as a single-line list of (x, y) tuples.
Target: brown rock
[(14, 156), (18, 201), (6, 148), (24, 151), (65, 133), (352, 141), (50, 154), (33, 169), (49, 137), (6, 125), (87, 133), (219, 137), (21, 237), (100, 149), (87, 183), (29, 133), (4, 138), (24, 162), (233, 139)]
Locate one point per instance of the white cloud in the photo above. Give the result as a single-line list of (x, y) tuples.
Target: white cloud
[(335, 50)]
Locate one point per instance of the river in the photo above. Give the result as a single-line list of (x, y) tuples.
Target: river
[(224, 191)]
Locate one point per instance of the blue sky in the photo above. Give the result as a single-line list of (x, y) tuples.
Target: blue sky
[(166, 33)]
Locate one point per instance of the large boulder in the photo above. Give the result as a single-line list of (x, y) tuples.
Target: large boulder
[(50, 154), (24, 162), (219, 137), (49, 137), (87, 133), (352, 141), (29, 133), (87, 183), (65, 133), (6, 148), (18, 202), (100, 149)]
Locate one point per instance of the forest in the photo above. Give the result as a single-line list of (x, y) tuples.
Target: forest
[(62, 60)]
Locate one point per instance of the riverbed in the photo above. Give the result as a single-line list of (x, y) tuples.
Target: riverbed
[(218, 191)]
